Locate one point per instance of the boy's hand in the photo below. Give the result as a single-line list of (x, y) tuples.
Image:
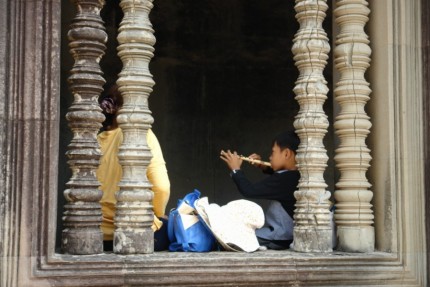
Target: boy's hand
[(232, 159)]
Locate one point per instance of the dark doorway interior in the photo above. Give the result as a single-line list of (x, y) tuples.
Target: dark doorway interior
[(224, 74)]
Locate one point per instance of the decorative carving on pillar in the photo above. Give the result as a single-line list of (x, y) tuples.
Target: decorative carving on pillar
[(134, 215), (82, 213), (312, 231), (354, 216)]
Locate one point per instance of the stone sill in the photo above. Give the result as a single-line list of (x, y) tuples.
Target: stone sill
[(262, 268), (216, 255), (220, 259)]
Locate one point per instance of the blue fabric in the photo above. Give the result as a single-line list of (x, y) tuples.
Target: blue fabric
[(196, 238)]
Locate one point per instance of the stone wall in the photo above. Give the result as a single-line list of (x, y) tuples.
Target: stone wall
[(29, 191)]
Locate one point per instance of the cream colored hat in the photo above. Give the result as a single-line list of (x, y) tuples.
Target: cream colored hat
[(233, 224)]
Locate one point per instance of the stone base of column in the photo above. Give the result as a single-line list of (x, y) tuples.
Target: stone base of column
[(82, 241), (313, 239), (139, 241), (356, 239)]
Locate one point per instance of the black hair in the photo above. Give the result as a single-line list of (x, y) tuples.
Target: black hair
[(110, 103), (287, 139)]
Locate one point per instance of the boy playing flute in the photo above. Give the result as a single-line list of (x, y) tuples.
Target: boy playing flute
[(278, 187)]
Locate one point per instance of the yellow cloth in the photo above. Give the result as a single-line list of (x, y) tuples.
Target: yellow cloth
[(109, 174)]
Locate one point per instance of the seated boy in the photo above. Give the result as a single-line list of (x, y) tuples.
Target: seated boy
[(279, 187)]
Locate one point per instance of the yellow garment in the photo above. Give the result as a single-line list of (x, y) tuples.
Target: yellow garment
[(109, 174)]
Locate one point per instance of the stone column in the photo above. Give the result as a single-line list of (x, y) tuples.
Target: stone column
[(82, 213), (134, 215), (354, 216), (312, 231)]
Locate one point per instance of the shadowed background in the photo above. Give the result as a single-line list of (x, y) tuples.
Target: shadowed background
[(224, 75)]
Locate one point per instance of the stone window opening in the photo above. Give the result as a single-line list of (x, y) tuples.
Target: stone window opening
[(396, 261), (210, 62), (311, 48)]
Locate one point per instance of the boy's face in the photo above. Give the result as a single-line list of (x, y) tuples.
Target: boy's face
[(279, 158)]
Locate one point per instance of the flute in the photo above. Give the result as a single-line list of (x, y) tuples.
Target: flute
[(251, 160), (255, 160)]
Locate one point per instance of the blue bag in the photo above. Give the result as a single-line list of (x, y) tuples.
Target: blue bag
[(185, 230)]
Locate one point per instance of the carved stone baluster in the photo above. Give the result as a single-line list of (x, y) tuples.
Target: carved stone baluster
[(312, 231), (134, 215), (82, 213), (354, 216)]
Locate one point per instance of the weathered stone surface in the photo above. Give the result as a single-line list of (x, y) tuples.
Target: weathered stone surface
[(312, 218), (27, 229), (134, 215), (82, 213), (354, 216)]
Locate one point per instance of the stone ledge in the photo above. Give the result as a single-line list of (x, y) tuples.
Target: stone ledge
[(209, 256), (264, 268)]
